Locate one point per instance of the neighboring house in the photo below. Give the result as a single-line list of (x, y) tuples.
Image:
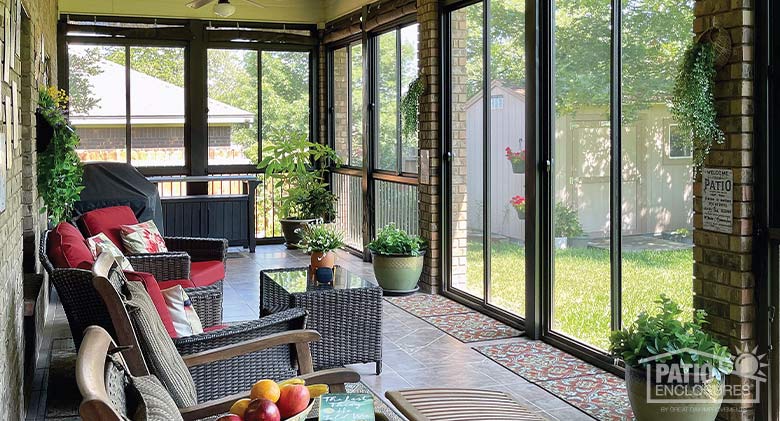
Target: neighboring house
[(657, 179), (156, 117)]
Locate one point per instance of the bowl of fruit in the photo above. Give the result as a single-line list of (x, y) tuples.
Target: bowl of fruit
[(289, 400)]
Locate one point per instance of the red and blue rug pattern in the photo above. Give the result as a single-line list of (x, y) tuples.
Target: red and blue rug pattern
[(423, 305), (589, 389)]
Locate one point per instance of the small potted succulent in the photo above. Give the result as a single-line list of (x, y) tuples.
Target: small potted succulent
[(320, 241), (398, 259), (684, 365), (518, 202), (517, 159)]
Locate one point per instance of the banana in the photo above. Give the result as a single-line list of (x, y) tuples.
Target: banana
[(316, 390), (294, 380)]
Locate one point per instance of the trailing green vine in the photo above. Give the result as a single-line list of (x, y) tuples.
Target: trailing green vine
[(693, 101), (410, 105), (59, 168)]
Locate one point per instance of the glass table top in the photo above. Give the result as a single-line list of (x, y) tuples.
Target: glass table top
[(296, 280)]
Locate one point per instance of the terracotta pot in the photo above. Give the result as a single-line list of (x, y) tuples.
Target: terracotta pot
[(322, 260)]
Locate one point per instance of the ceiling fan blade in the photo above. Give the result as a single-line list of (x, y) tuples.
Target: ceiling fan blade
[(253, 2), (197, 4)]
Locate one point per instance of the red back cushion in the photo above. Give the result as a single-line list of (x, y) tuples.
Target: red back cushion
[(67, 248), (150, 283), (108, 221)]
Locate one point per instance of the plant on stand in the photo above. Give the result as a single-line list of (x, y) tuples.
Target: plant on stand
[(60, 172), (517, 159), (518, 202), (566, 225), (298, 168), (320, 241), (398, 259), (684, 365)]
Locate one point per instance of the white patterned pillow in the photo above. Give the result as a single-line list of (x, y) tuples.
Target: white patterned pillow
[(142, 238), (101, 244), (185, 319)]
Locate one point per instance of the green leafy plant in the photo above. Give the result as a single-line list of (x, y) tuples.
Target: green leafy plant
[(319, 237), (410, 105), (567, 221), (665, 336), (60, 172), (298, 168), (682, 232), (693, 101), (393, 241)]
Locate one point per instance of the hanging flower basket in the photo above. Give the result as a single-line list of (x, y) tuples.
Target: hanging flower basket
[(517, 159), (518, 167), (518, 202)]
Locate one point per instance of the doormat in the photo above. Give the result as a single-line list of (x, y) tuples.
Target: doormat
[(472, 327), (581, 385), (62, 392), (423, 305)]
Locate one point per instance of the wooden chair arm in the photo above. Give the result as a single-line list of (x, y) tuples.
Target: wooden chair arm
[(300, 338), (211, 408), (334, 377)]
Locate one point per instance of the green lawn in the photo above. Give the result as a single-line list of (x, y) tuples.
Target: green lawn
[(581, 286)]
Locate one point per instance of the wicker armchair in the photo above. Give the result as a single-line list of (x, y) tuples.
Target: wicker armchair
[(103, 378), (218, 378), (84, 307)]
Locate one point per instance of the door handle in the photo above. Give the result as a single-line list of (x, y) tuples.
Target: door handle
[(448, 156)]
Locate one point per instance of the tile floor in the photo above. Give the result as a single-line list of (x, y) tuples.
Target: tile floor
[(416, 354)]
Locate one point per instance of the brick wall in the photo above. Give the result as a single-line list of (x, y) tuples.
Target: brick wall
[(429, 140), (38, 41), (723, 268), (459, 98), (341, 101)]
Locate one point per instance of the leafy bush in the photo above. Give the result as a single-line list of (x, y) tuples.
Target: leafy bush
[(298, 168), (60, 172), (393, 241), (664, 332), (319, 237), (693, 101), (567, 221)]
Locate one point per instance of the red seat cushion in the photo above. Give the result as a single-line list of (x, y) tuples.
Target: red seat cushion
[(206, 273), (215, 327), (185, 283), (108, 221), (153, 288), (67, 248)]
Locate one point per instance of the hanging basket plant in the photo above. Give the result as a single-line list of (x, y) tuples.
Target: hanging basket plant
[(59, 168), (693, 99), (410, 107)]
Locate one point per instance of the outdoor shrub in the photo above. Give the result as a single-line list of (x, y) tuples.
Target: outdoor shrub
[(393, 241), (567, 221)]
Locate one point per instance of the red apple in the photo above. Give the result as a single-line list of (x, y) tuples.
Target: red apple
[(231, 417), (262, 410), (293, 399)]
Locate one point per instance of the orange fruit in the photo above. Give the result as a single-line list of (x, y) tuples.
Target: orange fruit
[(239, 407), (265, 389)]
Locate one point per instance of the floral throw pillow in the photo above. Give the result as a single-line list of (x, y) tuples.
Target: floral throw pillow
[(142, 238), (100, 244)]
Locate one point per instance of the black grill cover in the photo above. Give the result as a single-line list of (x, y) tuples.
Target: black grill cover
[(117, 184)]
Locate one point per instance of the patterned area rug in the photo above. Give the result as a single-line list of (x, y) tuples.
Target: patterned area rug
[(472, 327), (457, 320), (589, 389)]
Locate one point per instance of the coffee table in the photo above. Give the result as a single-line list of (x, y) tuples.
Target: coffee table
[(347, 313)]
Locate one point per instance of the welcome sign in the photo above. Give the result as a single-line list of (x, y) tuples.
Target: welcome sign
[(718, 199)]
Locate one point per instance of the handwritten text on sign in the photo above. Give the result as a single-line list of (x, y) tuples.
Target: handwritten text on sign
[(718, 202)]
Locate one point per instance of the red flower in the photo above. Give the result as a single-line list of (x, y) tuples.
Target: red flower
[(514, 156), (517, 201)]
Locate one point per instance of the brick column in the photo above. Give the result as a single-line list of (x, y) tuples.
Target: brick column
[(429, 141), (459, 97), (322, 92), (723, 270), (341, 100)]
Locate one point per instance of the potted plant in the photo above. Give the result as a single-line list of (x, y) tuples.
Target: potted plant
[(518, 202), (319, 241), (567, 225), (684, 365), (59, 168), (410, 107), (298, 168), (398, 259), (517, 159)]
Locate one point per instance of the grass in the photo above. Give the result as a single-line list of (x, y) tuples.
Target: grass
[(581, 290)]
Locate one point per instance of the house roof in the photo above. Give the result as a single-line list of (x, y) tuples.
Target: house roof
[(152, 101), (497, 85)]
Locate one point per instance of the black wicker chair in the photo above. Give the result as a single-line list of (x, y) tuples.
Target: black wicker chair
[(84, 307), (219, 378)]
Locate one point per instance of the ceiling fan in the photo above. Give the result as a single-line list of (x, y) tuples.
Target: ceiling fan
[(223, 8)]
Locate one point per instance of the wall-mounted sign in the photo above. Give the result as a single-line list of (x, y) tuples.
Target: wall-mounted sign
[(718, 199)]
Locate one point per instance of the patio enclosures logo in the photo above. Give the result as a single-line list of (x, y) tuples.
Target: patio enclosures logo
[(669, 380)]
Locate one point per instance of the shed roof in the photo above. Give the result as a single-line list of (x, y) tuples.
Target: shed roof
[(153, 101)]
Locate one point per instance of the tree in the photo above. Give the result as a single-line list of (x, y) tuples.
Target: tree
[(83, 66)]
